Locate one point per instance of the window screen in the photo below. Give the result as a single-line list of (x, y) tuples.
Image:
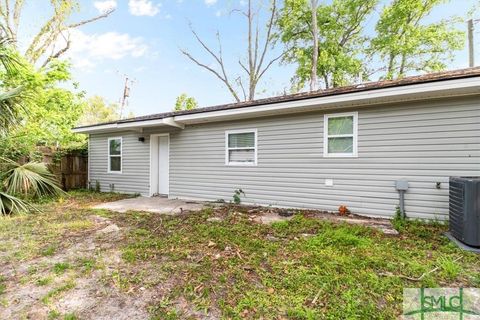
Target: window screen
[(241, 148)]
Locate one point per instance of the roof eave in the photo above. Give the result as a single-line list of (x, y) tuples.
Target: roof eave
[(137, 126), (414, 92)]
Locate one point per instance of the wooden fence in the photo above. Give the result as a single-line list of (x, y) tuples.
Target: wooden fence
[(72, 171)]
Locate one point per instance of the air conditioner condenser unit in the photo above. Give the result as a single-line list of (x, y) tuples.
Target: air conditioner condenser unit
[(464, 209)]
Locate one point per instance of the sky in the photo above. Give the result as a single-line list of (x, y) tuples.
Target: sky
[(143, 38)]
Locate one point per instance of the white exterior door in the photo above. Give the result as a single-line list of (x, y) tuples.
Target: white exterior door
[(159, 164), (163, 179)]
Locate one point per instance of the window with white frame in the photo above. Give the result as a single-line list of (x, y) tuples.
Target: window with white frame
[(241, 147), (115, 155), (340, 135)]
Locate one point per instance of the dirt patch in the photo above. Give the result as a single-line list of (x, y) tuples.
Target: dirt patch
[(85, 288), (88, 300)]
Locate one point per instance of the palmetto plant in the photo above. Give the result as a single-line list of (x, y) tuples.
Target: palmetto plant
[(10, 98), (29, 179)]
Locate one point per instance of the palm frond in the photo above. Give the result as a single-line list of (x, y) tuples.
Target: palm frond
[(10, 101), (8, 57), (9, 108), (31, 178), (10, 204)]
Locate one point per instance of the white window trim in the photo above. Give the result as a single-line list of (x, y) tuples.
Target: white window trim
[(227, 149), (326, 117), (121, 154)]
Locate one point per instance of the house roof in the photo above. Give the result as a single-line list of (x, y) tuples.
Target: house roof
[(362, 87)]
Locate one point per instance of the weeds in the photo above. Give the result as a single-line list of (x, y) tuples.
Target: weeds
[(44, 281), (450, 268), (260, 271), (53, 314), (3, 286), (399, 220), (70, 316), (49, 250), (303, 268), (58, 291), (237, 196), (61, 267)]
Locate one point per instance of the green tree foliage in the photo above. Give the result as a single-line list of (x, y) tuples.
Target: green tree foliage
[(97, 110), (403, 41), (184, 102), (406, 43), (340, 26), (49, 110), (30, 179)]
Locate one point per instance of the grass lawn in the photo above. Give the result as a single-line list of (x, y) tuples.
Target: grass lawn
[(71, 262)]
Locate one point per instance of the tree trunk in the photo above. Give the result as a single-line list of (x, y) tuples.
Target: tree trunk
[(256, 49), (327, 82), (390, 66), (402, 66), (313, 76)]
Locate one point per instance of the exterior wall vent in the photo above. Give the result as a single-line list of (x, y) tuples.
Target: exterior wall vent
[(464, 208)]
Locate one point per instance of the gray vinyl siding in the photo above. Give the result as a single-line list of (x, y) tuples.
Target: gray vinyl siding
[(135, 176), (422, 142)]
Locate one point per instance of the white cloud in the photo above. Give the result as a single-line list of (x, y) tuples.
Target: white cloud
[(104, 6), (210, 2), (143, 8), (88, 50)]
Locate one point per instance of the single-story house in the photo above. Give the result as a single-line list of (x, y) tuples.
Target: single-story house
[(342, 146)]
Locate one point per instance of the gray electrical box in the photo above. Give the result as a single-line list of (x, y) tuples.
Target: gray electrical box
[(401, 185)]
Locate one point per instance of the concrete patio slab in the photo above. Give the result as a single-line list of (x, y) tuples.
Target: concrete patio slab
[(151, 204)]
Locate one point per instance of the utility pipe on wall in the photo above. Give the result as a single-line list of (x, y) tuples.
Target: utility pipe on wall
[(402, 186)]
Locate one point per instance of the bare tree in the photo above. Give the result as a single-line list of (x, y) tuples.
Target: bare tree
[(52, 29), (258, 46), (313, 77)]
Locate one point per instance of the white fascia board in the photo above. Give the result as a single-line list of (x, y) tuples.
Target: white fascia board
[(171, 122), (92, 129), (130, 126), (446, 88)]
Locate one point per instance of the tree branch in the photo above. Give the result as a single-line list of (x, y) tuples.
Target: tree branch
[(84, 22), (243, 67), (270, 64), (268, 35), (224, 80), (17, 10), (52, 28), (218, 59), (58, 53), (240, 83)]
